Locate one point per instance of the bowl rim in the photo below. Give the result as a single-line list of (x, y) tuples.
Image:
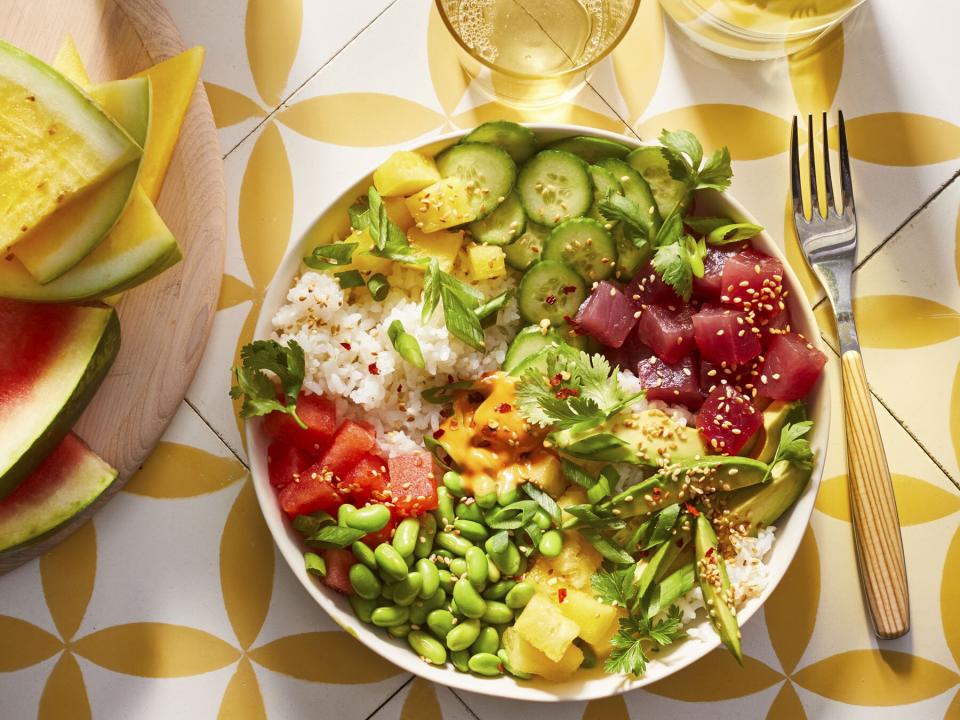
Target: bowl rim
[(582, 688)]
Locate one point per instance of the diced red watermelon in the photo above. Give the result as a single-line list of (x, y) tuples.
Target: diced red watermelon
[(285, 463), (707, 288), (727, 419), (366, 481), (317, 412), (648, 288), (667, 330), (791, 367), (313, 491), (338, 564), (413, 484), (351, 443), (752, 281), (608, 314), (725, 335), (671, 382)]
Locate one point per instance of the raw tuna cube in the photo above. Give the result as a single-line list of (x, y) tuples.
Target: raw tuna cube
[(774, 325), (366, 481), (727, 419), (752, 281), (667, 330), (648, 288), (608, 315), (671, 382), (743, 378), (791, 367), (285, 463), (352, 441), (313, 491), (724, 335), (339, 563), (413, 485), (707, 288), (317, 412)]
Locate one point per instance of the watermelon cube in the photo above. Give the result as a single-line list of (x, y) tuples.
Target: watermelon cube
[(667, 330), (608, 315), (724, 335), (413, 484), (350, 444), (707, 288), (648, 288), (285, 463), (312, 491), (791, 366), (727, 420), (338, 564), (671, 382), (317, 412), (752, 281), (366, 481)]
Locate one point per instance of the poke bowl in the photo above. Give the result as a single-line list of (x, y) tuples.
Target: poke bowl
[(368, 350)]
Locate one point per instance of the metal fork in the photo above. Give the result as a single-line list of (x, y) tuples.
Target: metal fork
[(829, 244)]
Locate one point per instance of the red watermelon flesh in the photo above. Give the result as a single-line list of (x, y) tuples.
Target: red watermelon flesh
[(318, 413), (285, 463), (338, 564), (352, 441), (413, 485)]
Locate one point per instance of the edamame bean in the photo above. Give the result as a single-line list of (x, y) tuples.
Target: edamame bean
[(431, 577), (507, 560), (519, 595), (469, 511), (405, 536), (444, 507), (460, 659), (427, 647), (542, 520), (463, 635), (497, 613), (446, 581), (452, 607), (505, 660), (454, 483), (506, 495), (391, 563), (485, 664), (472, 531), (364, 582), (468, 599), (551, 543), (499, 590), (454, 543), (406, 591), (488, 641), (493, 572), (362, 607), (441, 622), (399, 631), (418, 612), (438, 599), (363, 553), (428, 529), (522, 567), (387, 592), (476, 561), (443, 557), (343, 512), (389, 615), (487, 501), (371, 519), (458, 566)]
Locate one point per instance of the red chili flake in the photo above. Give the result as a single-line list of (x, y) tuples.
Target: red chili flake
[(556, 380), (504, 408), (692, 510), (551, 299), (449, 378), (656, 491), (567, 289), (373, 369), (476, 397), (709, 552), (438, 433), (345, 346), (561, 595), (446, 412), (564, 393), (643, 554)]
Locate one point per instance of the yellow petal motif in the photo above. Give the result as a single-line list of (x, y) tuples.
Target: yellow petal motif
[(815, 73), (750, 134), (955, 414), (156, 650), (421, 702), (953, 711), (918, 501), (246, 567), (23, 644), (266, 206), (876, 677), (328, 657), (230, 107), (242, 699), (162, 475), (949, 597), (563, 113), (611, 708), (900, 139), (272, 31), (786, 705), (68, 573), (234, 291), (717, 677), (638, 59), (65, 695), (791, 610), (357, 119), (449, 79), (904, 321)]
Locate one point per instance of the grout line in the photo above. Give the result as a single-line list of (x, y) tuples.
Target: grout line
[(390, 697), (463, 702), (312, 75), (216, 432)]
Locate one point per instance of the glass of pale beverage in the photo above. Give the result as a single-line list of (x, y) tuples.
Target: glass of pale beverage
[(757, 29), (530, 52)]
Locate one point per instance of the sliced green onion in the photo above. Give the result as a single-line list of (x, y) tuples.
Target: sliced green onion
[(315, 564), (405, 344), (443, 394), (327, 257), (487, 313), (379, 286), (349, 279)]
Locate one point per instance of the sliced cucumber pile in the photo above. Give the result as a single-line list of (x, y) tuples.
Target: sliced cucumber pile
[(584, 245), (487, 169), (653, 167), (526, 249), (552, 291), (555, 186), (520, 142), (503, 225), (591, 149)]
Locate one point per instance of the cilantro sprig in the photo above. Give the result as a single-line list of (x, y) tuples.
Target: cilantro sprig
[(684, 155), (793, 446), (257, 387)]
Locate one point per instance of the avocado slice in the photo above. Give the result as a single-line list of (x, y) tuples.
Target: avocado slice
[(762, 505), (715, 585), (777, 414)]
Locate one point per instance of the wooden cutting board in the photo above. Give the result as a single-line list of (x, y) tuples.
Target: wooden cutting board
[(164, 323)]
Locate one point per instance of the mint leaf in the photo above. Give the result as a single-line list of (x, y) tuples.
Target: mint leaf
[(327, 257), (258, 390)]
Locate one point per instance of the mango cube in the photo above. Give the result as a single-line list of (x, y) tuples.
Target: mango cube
[(443, 245), (526, 658), (486, 261), (592, 616), (442, 205), (404, 173), (398, 212), (546, 628)]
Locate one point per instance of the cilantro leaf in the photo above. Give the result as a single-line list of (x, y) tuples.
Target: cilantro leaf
[(257, 388), (716, 172), (616, 207), (629, 655), (615, 587), (793, 446), (327, 257), (679, 262), (683, 143), (684, 156)]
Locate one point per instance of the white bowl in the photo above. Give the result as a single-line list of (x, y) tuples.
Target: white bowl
[(585, 685)]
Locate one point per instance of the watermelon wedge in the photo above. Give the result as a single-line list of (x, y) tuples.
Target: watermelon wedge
[(56, 357), (66, 482)]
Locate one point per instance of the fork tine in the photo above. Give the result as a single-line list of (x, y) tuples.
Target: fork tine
[(795, 186), (811, 151), (846, 184), (827, 175)]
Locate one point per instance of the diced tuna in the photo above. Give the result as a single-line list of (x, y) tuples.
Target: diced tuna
[(648, 288), (667, 330), (743, 378), (707, 288), (727, 419), (671, 382), (752, 281), (774, 325), (607, 314), (725, 335), (791, 367)]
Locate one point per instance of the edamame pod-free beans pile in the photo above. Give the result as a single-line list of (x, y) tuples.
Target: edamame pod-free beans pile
[(531, 413)]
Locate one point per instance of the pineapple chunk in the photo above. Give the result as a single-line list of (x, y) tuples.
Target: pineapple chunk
[(592, 616), (603, 647), (362, 260), (545, 472), (526, 658), (404, 173), (397, 211), (546, 628), (443, 245), (572, 568), (442, 205), (486, 261)]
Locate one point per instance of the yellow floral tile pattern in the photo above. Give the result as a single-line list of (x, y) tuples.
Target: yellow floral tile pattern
[(275, 655)]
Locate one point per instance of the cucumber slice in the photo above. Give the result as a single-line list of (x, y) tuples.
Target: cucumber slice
[(667, 192), (635, 188), (604, 184), (551, 291), (584, 245), (527, 343), (555, 186), (591, 149), (629, 256), (503, 225), (520, 142), (526, 249), (488, 171)]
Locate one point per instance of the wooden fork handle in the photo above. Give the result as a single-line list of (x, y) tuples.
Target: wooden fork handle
[(873, 509)]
